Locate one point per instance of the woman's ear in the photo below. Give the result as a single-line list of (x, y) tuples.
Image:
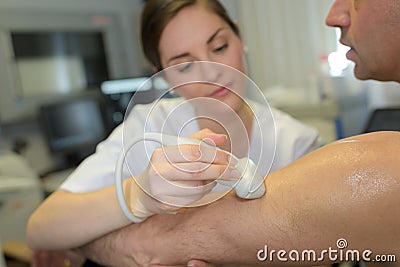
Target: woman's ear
[(245, 48)]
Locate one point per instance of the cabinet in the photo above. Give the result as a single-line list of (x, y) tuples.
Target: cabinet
[(20, 194)]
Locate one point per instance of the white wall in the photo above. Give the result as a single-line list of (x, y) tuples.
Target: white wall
[(285, 39)]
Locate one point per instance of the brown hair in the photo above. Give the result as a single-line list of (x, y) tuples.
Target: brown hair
[(156, 15)]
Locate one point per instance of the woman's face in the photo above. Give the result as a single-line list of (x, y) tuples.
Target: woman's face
[(197, 34)]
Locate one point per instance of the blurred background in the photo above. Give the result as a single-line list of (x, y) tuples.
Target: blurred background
[(68, 69)]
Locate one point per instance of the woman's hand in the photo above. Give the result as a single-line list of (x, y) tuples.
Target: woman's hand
[(177, 176)]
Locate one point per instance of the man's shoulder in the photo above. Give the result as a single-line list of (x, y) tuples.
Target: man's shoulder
[(374, 137)]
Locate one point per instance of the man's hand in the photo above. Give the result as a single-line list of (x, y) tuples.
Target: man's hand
[(192, 263), (200, 263), (65, 258), (113, 249)]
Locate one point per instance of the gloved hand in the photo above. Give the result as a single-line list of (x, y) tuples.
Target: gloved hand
[(179, 175)]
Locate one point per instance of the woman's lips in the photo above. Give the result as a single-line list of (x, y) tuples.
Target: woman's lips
[(222, 91)]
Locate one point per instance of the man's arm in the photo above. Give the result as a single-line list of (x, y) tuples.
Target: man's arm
[(349, 189), (111, 249)]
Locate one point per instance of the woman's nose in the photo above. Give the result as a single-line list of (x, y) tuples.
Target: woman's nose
[(211, 72)]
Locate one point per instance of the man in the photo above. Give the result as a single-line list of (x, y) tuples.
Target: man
[(344, 196)]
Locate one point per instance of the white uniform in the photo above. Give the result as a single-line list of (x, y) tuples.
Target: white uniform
[(276, 140)]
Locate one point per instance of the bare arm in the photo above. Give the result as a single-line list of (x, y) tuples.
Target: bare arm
[(349, 189), (109, 250), (114, 249), (67, 220)]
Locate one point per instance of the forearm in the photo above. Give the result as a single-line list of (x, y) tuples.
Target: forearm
[(111, 249), (344, 190), (68, 220)]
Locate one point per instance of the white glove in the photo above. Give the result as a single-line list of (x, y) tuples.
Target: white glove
[(178, 176)]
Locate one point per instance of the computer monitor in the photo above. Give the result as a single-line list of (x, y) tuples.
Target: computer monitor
[(384, 119), (73, 127), (120, 94)]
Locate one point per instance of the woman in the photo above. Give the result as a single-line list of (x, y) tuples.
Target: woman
[(175, 36)]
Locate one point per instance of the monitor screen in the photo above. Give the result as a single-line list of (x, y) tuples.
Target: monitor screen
[(73, 127), (123, 93), (387, 119)]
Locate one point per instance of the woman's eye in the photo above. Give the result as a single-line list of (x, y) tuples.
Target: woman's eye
[(185, 67), (221, 48)]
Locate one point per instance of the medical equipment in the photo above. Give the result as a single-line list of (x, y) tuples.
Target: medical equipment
[(249, 186)]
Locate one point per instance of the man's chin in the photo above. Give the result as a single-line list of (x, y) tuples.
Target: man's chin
[(360, 74), (364, 76)]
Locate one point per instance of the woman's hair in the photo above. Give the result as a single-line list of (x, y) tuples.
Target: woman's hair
[(156, 15)]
